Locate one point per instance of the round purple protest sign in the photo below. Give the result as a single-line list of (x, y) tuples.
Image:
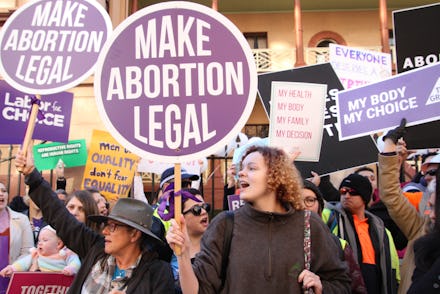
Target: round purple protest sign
[(49, 46), (176, 81)]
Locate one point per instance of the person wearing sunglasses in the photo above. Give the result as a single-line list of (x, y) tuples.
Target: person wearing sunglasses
[(372, 244), (196, 218), (195, 212), (429, 168), (120, 260)]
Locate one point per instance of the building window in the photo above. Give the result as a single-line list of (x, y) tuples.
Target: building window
[(256, 130), (325, 43), (391, 39), (324, 38), (256, 40)]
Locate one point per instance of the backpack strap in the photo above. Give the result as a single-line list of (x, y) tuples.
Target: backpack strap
[(229, 228), (307, 240), (307, 246)]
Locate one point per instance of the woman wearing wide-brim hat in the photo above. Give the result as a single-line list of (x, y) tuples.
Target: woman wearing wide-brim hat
[(120, 260)]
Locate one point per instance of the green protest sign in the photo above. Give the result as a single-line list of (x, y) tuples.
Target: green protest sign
[(74, 153)]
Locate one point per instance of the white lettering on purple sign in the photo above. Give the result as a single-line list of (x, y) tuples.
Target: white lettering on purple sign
[(18, 109), (161, 41), (379, 105), (42, 62), (192, 128)]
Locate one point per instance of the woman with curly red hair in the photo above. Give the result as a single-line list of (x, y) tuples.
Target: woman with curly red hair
[(267, 249)]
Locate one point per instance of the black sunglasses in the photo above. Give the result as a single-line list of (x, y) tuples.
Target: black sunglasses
[(431, 172), (197, 209)]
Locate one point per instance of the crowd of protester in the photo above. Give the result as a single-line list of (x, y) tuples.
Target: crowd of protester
[(370, 233)]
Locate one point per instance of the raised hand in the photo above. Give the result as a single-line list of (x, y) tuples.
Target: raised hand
[(397, 133)]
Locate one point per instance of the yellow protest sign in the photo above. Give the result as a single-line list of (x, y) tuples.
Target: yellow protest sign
[(110, 167)]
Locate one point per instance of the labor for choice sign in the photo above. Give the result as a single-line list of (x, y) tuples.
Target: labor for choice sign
[(177, 81)]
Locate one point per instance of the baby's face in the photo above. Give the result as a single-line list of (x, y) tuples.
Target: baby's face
[(3, 196), (47, 243)]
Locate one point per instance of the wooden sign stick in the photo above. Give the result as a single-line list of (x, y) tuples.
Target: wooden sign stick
[(177, 198), (31, 125)]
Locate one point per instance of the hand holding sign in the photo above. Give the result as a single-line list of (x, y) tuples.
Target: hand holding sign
[(397, 133), (166, 70), (31, 123)]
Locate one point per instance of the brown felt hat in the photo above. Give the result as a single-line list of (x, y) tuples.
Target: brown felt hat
[(131, 212)]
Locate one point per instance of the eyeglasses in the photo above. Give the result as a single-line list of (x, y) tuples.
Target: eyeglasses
[(197, 209), (431, 172), (350, 191), (112, 226), (310, 201)]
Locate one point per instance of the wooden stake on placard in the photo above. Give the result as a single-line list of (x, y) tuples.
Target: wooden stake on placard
[(177, 199), (31, 125)]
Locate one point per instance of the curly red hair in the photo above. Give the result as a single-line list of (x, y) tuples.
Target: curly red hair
[(282, 175)]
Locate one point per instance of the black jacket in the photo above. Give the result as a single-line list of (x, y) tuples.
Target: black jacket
[(151, 276), (426, 277)]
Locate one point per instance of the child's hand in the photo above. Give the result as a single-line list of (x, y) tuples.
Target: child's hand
[(7, 271), (68, 271)]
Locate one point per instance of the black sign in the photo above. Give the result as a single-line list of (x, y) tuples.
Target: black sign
[(418, 44), (335, 155)]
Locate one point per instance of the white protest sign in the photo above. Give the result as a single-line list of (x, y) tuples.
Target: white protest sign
[(152, 166), (297, 118), (357, 67)]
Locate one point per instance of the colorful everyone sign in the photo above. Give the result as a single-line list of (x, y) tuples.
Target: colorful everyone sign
[(110, 167), (297, 118), (15, 108), (176, 82), (49, 46), (74, 153), (414, 95), (39, 282), (357, 67)]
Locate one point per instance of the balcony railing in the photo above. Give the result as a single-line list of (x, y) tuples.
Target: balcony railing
[(275, 60)]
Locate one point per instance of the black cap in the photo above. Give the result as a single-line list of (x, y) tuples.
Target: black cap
[(359, 183)]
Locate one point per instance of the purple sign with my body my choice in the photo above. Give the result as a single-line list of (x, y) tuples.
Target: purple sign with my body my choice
[(177, 81), (414, 95), (15, 108), (49, 46)]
